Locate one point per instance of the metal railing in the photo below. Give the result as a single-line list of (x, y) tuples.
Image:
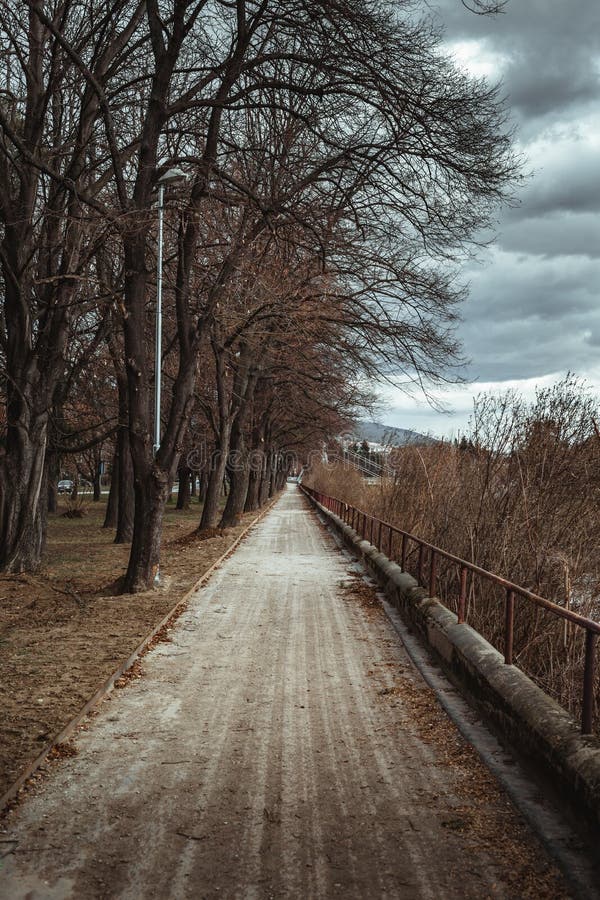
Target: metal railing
[(382, 534)]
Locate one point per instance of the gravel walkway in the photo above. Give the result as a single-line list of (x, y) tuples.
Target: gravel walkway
[(279, 745)]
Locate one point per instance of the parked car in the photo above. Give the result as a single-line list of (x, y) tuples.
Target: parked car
[(65, 486)]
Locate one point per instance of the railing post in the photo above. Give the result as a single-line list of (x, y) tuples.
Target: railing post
[(509, 622), (462, 600), (587, 712), (391, 535), (420, 563), (379, 535), (404, 549), (432, 573)]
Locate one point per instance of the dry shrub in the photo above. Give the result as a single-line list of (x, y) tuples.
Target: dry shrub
[(339, 479), (518, 497)]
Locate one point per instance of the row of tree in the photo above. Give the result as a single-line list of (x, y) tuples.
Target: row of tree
[(336, 160)]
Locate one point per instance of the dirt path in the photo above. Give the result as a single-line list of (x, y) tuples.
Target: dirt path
[(280, 745)]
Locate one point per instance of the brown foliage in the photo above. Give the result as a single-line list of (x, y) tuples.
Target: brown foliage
[(518, 498)]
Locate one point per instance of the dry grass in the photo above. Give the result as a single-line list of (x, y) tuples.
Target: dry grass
[(65, 630), (520, 499)]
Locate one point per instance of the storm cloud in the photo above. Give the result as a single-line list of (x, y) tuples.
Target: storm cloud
[(533, 311), (548, 51)]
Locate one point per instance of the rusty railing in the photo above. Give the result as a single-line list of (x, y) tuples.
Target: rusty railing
[(381, 534)]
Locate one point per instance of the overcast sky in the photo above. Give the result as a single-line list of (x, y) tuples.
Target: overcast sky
[(534, 308)]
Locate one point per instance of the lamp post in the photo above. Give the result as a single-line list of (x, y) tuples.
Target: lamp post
[(169, 177)]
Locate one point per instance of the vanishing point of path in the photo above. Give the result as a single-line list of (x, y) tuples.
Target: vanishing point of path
[(279, 744)]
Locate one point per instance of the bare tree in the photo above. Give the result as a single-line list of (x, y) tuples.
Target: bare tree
[(394, 136)]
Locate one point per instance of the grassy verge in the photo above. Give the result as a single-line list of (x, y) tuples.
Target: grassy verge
[(64, 630)]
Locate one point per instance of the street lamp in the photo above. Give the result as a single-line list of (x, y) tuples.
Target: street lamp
[(169, 177)]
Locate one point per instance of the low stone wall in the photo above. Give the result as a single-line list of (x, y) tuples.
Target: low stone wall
[(523, 714)]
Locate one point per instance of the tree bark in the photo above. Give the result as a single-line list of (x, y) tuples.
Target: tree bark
[(265, 483), (52, 475), (257, 466), (252, 497), (97, 485), (202, 485), (239, 475), (150, 498), (184, 492), (214, 487), (23, 503), (239, 463), (110, 519), (125, 492)]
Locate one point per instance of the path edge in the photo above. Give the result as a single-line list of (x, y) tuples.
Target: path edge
[(519, 710), (107, 686)]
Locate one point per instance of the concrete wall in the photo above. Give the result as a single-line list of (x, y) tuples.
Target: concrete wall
[(520, 711)]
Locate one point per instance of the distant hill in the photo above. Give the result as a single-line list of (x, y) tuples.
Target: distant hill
[(388, 435)]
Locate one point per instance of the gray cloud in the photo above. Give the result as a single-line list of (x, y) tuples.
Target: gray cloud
[(565, 176), (552, 235), (528, 316), (534, 309), (550, 50)]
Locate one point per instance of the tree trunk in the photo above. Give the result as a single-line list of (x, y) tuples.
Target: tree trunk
[(126, 502), (238, 491), (126, 505), (23, 499), (252, 497), (110, 519), (202, 485), (52, 474), (265, 482), (184, 492), (97, 485), (239, 462), (217, 464), (214, 487), (257, 466), (239, 474), (150, 498), (272, 479)]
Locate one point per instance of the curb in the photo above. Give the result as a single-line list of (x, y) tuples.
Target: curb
[(107, 686), (521, 712)]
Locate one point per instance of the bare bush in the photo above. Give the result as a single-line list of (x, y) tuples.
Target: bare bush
[(518, 497)]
